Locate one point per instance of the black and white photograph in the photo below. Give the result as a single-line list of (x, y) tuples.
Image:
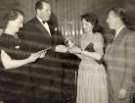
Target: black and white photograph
[(67, 51)]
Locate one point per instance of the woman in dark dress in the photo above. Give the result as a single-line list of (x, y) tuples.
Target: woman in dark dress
[(13, 81)]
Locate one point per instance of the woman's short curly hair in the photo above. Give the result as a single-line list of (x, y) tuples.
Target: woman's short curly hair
[(10, 15), (92, 18)]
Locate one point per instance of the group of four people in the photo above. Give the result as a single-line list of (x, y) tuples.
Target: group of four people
[(95, 84)]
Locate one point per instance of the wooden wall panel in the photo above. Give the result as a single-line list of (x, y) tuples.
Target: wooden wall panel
[(67, 12), (5, 6), (27, 6)]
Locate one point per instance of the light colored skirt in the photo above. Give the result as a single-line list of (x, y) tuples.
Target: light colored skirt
[(91, 83)]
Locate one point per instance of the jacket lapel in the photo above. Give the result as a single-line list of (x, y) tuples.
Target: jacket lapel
[(120, 35), (40, 26), (117, 40)]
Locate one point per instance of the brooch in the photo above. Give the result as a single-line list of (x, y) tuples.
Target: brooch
[(17, 46)]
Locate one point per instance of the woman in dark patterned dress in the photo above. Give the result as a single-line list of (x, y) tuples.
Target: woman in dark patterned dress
[(12, 80)]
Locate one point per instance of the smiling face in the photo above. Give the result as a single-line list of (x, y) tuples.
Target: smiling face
[(17, 23), (87, 26), (111, 20), (45, 12)]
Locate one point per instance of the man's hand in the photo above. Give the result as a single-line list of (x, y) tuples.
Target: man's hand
[(122, 93), (74, 49), (61, 48)]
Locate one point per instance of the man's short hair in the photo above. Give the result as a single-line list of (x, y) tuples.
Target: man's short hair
[(39, 4), (120, 12)]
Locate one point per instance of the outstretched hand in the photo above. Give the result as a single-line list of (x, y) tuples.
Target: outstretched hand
[(74, 49), (34, 56), (61, 48)]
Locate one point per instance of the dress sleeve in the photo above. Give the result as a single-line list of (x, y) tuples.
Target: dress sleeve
[(99, 43)]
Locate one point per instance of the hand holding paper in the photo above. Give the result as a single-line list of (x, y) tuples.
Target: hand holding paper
[(43, 52)]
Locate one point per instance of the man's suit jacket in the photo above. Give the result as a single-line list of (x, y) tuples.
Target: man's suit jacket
[(46, 72), (50, 74), (35, 34), (120, 61)]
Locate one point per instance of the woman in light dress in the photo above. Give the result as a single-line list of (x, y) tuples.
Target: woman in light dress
[(91, 83)]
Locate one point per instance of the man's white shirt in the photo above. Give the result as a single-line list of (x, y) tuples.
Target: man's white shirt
[(118, 31), (45, 25)]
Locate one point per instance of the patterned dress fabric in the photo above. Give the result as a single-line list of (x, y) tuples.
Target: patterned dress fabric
[(91, 84)]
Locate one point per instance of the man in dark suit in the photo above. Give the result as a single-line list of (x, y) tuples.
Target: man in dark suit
[(41, 29), (46, 73), (120, 59)]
